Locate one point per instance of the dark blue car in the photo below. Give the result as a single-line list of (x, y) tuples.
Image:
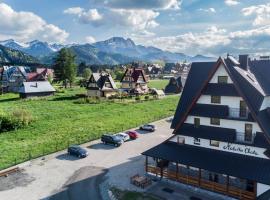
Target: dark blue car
[(77, 151)]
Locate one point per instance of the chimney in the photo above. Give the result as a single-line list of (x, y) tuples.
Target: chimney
[(243, 60)]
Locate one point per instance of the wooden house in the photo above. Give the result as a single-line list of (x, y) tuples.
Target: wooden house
[(101, 85), (135, 81), (36, 89)]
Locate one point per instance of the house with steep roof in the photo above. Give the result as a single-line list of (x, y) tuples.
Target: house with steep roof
[(101, 85), (174, 86), (12, 77), (41, 74), (36, 89), (221, 130), (135, 81)]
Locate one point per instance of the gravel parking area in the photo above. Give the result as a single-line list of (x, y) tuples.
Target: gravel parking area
[(47, 177)]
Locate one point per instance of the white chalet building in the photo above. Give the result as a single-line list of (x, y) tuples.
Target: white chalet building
[(221, 137)]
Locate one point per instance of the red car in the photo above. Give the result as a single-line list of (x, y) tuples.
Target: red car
[(132, 134)]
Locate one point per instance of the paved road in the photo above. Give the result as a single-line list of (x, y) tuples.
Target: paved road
[(57, 176), (82, 185)]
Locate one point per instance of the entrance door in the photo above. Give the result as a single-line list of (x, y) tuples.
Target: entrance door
[(248, 132), (243, 109)]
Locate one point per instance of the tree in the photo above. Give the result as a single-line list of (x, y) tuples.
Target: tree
[(119, 74), (65, 67), (81, 68), (86, 73)]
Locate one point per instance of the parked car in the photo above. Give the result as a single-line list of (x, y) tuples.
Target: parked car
[(133, 134), (148, 127), (125, 137), (77, 151), (112, 139)]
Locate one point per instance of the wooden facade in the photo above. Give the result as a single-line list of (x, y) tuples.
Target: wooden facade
[(199, 181)]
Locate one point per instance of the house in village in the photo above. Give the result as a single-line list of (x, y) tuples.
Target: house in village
[(101, 85), (12, 77), (221, 137), (135, 81), (174, 86), (36, 89), (41, 74)]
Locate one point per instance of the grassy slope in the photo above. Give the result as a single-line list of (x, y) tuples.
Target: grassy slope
[(59, 122)]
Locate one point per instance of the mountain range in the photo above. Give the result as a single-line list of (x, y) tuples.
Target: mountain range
[(116, 50), (9, 55)]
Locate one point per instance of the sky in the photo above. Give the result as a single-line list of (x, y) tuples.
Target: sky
[(208, 27)]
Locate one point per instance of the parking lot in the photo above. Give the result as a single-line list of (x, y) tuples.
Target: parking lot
[(51, 176)]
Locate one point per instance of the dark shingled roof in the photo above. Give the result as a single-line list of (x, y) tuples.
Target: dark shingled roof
[(135, 74), (261, 70), (101, 78), (208, 132), (220, 90), (219, 134), (251, 87), (216, 111), (246, 167), (195, 82), (208, 110), (174, 86)]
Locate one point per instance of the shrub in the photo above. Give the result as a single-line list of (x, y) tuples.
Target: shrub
[(146, 98), (137, 98), (17, 119), (59, 90), (23, 116)]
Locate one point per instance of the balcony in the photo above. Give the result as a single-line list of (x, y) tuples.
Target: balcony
[(245, 138), (236, 113)]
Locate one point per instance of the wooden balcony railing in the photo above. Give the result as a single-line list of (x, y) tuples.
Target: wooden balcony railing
[(205, 184)]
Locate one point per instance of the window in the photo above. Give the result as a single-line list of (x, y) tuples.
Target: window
[(248, 132), (215, 121), (197, 122), (215, 99), (243, 109), (222, 79), (197, 141), (214, 143), (180, 140)]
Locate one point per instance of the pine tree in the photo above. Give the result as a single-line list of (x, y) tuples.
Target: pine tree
[(65, 67)]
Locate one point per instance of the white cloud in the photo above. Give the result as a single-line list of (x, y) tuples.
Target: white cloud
[(74, 10), (24, 26), (85, 16), (90, 39), (140, 4), (214, 41), (231, 2), (208, 10), (261, 31), (262, 13), (136, 19)]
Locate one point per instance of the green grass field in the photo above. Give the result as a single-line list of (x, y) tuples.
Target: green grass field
[(60, 121), (158, 84)]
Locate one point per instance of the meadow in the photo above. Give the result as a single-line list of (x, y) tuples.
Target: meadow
[(59, 121), (158, 83)]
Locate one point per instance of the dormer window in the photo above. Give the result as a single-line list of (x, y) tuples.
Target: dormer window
[(222, 79)]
